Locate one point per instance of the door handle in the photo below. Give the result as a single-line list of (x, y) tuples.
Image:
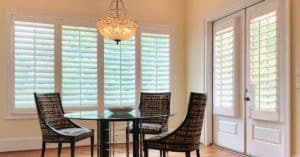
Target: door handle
[(247, 99)]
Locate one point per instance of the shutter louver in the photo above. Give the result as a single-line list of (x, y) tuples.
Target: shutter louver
[(119, 73), (224, 71), (79, 66), (155, 62), (264, 62), (34, 61)]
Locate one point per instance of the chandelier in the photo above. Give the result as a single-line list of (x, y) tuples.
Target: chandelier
[(117, 26)]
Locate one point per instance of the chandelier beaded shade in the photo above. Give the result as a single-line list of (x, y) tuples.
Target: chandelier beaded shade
[(117, 25)]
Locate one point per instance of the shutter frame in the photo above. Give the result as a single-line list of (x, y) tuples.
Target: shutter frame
[(120, 73), (278, 114), (153, 57), (30, 34), (230, 24), (84, 41)]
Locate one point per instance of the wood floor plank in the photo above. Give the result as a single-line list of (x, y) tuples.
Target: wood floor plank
[(210, 151)]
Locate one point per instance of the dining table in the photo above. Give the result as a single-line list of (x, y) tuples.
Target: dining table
[(104, 117)]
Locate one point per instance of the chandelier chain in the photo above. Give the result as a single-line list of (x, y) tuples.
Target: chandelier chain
[(117, 9)]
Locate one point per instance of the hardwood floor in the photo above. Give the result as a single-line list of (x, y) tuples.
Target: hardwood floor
[(210, 151)]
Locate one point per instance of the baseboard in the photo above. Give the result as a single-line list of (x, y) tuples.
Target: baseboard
[(29, 143)]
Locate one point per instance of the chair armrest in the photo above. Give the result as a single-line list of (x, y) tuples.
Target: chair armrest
[(167, 135)]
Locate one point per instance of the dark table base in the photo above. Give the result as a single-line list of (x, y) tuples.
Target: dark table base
[(103, 138)]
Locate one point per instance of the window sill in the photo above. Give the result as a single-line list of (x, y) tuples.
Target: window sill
[(21, 116), (29, 114)]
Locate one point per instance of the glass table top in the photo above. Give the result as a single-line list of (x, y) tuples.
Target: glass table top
[(117, 116)]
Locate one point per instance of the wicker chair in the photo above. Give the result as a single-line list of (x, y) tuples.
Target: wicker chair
[(57, 129), (152, 103), (186, 137)]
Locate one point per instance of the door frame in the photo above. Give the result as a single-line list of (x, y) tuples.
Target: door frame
[(208, 49)]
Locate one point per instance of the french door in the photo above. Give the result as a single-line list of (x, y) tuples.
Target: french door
[(250, 86), (228, 87)]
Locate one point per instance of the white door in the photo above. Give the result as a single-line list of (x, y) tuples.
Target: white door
[(251, 81), (228, 84), (267, 81)]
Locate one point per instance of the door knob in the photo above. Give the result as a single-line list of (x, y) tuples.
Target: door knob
[(247, 99)]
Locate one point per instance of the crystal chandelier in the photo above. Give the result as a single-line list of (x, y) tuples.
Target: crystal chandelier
[(117, 25)]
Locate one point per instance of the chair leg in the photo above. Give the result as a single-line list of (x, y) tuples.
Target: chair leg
[(145, 151), (72, 149), (43, 149), (198, 152), (92, 145), (127, 141), (187, 154), (160, 153), (164, 153), (59, 149), (142, 137)]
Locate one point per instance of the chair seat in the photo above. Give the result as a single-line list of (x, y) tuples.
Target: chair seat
[(77, 133), (150, 128), (159, 142)]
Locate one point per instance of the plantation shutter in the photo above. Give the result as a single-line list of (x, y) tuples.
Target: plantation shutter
[(34, 61), (79, 66), (263, 58), (225, 71), (119, 73), (155, 62)]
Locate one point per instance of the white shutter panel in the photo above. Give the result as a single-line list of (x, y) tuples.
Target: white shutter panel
[(79, 66), (155, 62), (34, 61), (226, 51), (119, 73), (264, 65)]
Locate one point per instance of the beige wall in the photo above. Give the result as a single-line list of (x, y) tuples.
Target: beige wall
[(197, 10), (168, 12)]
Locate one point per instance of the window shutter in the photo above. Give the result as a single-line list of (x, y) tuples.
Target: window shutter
[(155, 62), (34, 61), (263, 61), (79, 66), (263, 51), (119, 73), (224, 68), (226, 55)]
